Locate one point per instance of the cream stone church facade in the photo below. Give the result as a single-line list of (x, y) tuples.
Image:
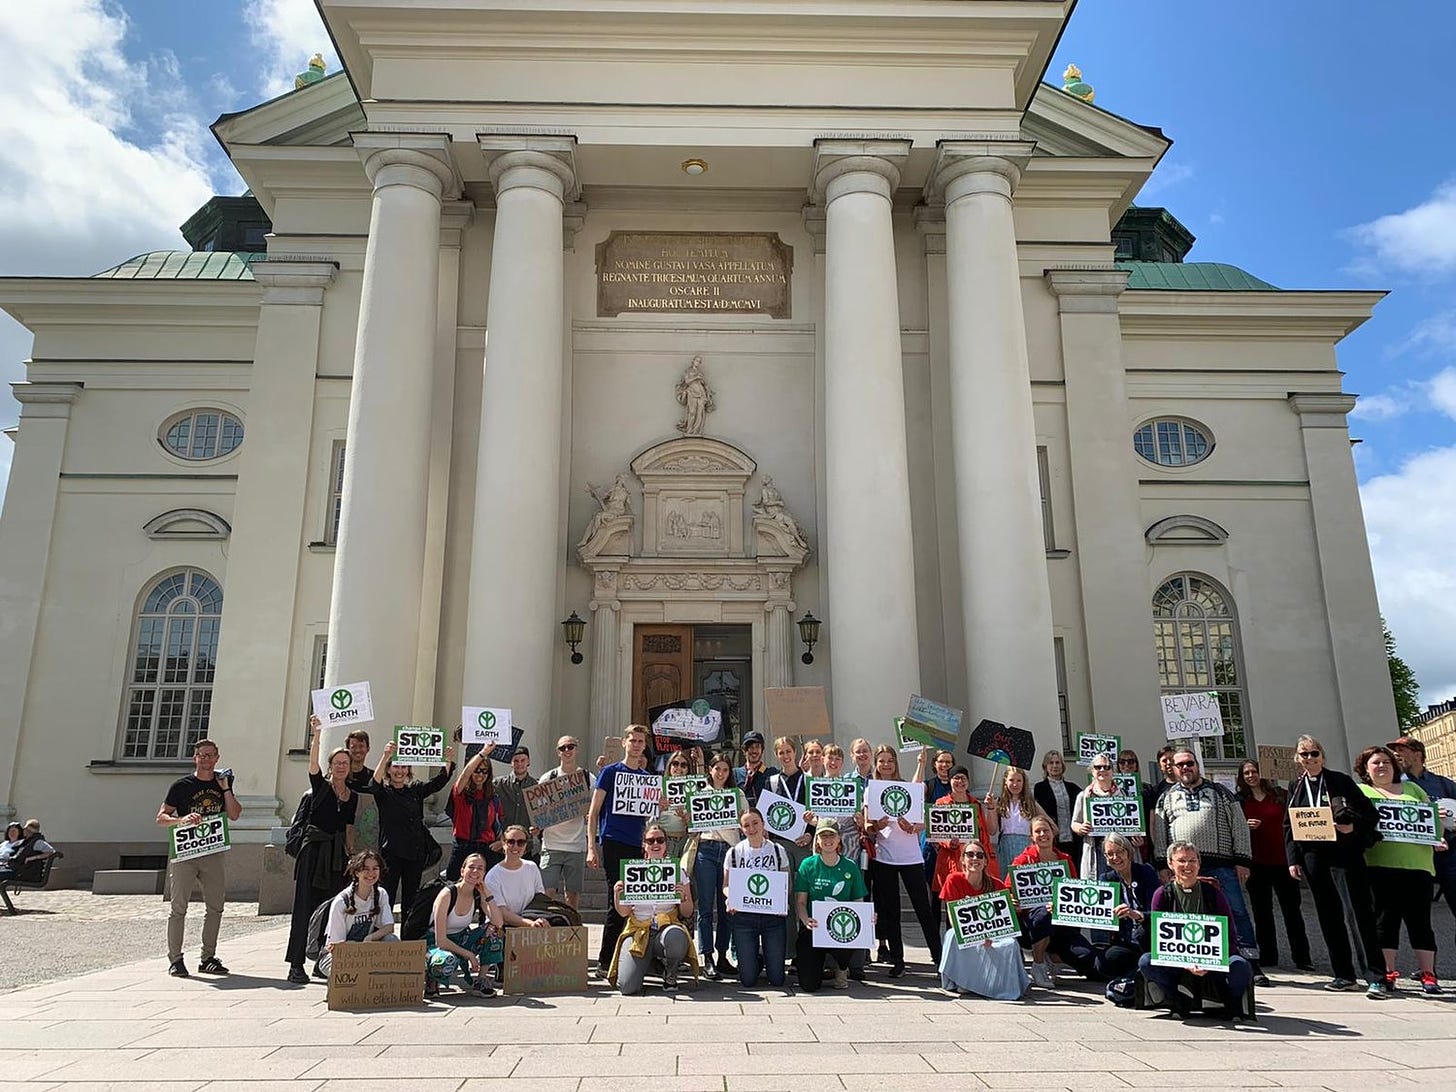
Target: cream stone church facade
[(692, 318)]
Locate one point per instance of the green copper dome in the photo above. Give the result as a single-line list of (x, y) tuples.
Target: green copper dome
[(185, 265), (1193, 277)]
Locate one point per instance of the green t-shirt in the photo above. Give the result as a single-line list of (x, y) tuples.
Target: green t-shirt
[(843, 883), (1384, 854)]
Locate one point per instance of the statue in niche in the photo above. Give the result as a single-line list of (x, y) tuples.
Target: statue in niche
[(777, 531), (696, 398), (614, 518)]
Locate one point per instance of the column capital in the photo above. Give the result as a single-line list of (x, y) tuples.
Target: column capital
[(817, 225), (930, 226), (965, 167), (539, 162), (46, 394), (1321, 409), (1092, 290), (293, 282), (421, 160), (856, 166)]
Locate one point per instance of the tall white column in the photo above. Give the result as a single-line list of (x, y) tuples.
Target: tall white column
[(874, 660), (512, 641), (379, 564), (779, 643), (1006, 604), (26, 528), (606, 666)]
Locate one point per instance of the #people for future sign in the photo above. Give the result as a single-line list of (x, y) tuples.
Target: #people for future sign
[(714, 809), (1312, 824), (1090, 746), (347, 705), (211, 835), (843, 924), (481, 724), (952, 822), (896, 800), (1409, 821), (782, 817), (980, 918), (649, 881), (758, 891), (1085, 904), (419, 745), (832, 797), (1115, 814), (638, 794), (1186, 716), (1191, 940), (1034, 883)]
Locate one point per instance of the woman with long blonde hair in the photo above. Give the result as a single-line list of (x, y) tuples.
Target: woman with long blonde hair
[(1016, 807)]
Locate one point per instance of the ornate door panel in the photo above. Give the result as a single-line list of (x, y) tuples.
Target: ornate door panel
[(662, 667)]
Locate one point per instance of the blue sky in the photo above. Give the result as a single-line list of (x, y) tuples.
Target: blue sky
[(1311, 147)]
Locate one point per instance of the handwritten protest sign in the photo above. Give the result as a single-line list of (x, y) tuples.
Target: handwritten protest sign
[(983, 917), (375, 975), (419, 745), (649, 881), (952, 822), (211, 835), (1085, 904), (481, 724), (636, 794), (1312, 824), (1190, 940), (545, 961), (693, 722), (758, 891), (715, 809), (896, 800), (504, 752), (1090, 746), (833, 797), (558, 800), (1034, 883), (797, 711), (929, 723), (843, 924), (1186, 716), (781, 816), (1278, 763)]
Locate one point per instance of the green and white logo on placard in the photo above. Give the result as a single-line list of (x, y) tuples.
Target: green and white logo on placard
[(486, 720), (758, 884), (843, 924), (701, 708), (1190, 940), (780, 817), (895, 801), (341, 699)]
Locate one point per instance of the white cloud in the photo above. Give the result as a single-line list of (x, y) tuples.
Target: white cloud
[(1382, 407), (1419, 240), (1166, 177), (1413, 396), (1443, 392), (289, 32), (1410, 518), (100, 156)]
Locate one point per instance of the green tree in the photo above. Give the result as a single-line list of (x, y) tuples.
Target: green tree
[(1402, 682)]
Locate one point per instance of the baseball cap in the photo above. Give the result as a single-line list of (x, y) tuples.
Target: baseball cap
[(826, 826), (753, 737), (1408, 741)]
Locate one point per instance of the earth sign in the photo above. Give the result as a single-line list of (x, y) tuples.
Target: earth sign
[(843, 924), (341, 699), (895, 801), (758, 884)]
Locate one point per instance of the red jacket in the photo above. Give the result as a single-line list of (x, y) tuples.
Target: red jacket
[(1029, 855), (947, 858)]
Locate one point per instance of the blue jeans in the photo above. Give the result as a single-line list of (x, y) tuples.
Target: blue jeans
[(748, 931), (1243, 923), (708, 898)]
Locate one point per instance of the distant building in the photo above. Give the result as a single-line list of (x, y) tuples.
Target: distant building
[(1436, 728)]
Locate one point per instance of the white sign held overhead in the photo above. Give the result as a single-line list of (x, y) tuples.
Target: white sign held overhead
[(1192, 715), (483, 724)]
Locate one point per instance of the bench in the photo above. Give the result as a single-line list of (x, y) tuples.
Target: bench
[(28, 879)]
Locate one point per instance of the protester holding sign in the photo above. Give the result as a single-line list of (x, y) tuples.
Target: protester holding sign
[(408, 846), (1112, 956), (991, 969), (651, 932), (759, 936), (1401, 868), (704, 862), (1335, 869), (897, 860), (1036, 923), (827, 875), (674, 816), (1092, 861), (477, 814), (358, 913), (790, 782), (191, 799), (1056, 795), (1015, 808), (1263, 803), (1189, 893), (948, 850), (463, 922), (621, 805), (328, 842), (1411, 753), (563, 845)]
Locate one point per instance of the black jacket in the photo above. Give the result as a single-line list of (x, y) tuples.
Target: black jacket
[(1340, 792), (1042, 793)]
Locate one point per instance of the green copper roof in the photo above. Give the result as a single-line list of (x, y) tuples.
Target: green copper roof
[(1193, 277), (185, 265)]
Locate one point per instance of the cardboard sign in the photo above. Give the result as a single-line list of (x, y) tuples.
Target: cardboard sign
[(833, 797), (1090, 746), (211, 835), (758, 891), (983, 917), (545, 961), (1187, 716), (559, 800), (650, 881), (1409, 821), (1085, 904), (997, 742), (377, 975), (782, 817), (930, 723), (1128, 784), (676, 790), (1278, 764), (1312, 824), (419, 745), (481, 724), (503, 752), (844, 924), (1034, 884), (953, 822), (346, 705), (1191, 940), (1115, 814), (896, 800), (635, 793), (715, 809), (796, 711)]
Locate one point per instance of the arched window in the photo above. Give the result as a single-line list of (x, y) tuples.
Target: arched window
[(1172, 441), (202, 434), (1197, 640), (174, 660)]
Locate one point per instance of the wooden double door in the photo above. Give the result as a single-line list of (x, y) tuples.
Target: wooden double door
[(675, 662)]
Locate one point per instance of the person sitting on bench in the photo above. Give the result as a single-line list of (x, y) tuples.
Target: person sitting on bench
[(30, 850)]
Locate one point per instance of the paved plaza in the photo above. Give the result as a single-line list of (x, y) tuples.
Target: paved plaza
[(131, 1027)]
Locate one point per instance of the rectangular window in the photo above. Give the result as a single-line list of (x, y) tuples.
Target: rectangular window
[(336, 494), (315, 679), (1064, 708), (1044, 477)]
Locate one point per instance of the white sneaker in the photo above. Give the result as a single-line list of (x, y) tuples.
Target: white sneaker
[(1042, 976)]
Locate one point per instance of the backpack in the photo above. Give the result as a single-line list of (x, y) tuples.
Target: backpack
[(553, 911), (293, 843), (318, 927), (1122, 992), (419, 917)]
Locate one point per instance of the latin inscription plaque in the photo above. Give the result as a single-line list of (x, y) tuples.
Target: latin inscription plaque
[(737, 272)]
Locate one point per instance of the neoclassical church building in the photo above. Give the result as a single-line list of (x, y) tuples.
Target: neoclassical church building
[(697, 321)]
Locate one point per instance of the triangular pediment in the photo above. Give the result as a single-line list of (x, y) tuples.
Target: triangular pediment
[(1065, 126), (321, 115)]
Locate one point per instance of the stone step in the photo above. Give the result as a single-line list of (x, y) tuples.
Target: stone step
[(129, 881)]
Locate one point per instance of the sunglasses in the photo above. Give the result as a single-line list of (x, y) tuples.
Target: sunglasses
[(654, 841), (1309, 754), (566, 747), (975, 856), (515, 841), (1101, 766), (1185, 765)]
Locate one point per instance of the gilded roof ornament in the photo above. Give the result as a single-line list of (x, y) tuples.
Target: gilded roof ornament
[(312, 74), (1072, 84)]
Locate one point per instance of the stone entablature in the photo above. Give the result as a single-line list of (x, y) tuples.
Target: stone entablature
[(692, 498)]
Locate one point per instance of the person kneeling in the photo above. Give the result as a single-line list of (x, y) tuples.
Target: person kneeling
[(358, 913), (653, 931), (463, 923), (1172, 987)]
